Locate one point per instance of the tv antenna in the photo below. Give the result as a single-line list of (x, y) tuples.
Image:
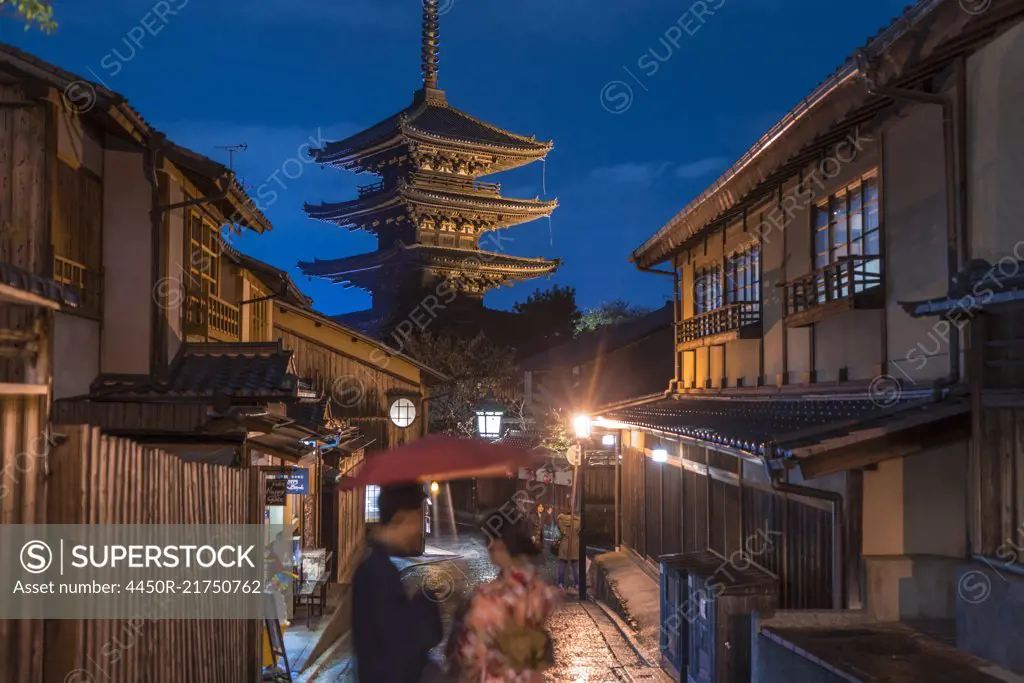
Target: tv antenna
[(231, 149)]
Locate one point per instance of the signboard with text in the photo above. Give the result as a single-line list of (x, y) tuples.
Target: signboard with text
[(277, 491)]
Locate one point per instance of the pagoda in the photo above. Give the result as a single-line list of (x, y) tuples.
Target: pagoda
[(429, 209)]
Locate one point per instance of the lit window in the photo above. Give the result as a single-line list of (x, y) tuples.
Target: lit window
[(372, 504), (403, 412)]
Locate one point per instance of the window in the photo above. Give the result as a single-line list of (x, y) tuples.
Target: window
[(846, 226), (372, 512), (259, 315), (207, 313), (204, 257), (489, 424), (707, 290), (77, 235), (403, 412), (743, 277)]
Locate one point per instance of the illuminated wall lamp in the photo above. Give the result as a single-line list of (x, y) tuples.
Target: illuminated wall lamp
[(659, 455)]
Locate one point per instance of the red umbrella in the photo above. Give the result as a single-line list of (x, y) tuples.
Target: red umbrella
[(439, 457)]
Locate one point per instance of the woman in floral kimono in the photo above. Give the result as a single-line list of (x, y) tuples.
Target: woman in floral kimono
[(501, 637)]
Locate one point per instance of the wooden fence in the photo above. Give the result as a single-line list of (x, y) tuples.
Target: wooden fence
[(687, 505), (90, 478)]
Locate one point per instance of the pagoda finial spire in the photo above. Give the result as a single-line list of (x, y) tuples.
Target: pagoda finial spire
[(430, 43)]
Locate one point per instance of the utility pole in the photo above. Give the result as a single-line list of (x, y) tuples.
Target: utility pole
[(583, 545)]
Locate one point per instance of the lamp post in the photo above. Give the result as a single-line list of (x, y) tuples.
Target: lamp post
[(582, 425)]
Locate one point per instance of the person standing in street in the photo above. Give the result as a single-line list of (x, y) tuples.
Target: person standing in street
[(569, 551), (393, 633), (500, 637)]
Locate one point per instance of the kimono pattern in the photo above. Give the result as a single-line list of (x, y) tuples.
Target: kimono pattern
[(518, 598)]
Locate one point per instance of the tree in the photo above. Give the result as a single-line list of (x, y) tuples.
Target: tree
[(547, 318), (612, 312), (475, 367), (35, 13)]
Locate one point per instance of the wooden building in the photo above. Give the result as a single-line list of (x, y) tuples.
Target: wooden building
[(433, 218), (145, 350), (878, 449)]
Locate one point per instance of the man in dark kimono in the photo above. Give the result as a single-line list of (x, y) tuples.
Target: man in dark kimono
[(392, 633)]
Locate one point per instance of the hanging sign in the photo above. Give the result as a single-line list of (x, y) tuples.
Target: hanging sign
[(298, 481), (573, 455), (277, 491)]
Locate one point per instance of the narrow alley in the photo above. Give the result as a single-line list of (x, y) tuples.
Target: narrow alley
[(589, 645)]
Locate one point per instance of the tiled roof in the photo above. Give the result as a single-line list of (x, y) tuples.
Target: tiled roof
[(276, 279), (242, 371), (775, 427), (27, 282), (436, 119), (466, 259), (526, 441)]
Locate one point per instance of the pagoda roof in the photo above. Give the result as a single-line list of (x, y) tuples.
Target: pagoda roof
[(431, 120), (502, 211), (362, 270)]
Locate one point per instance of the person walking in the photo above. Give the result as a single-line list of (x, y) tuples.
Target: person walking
[(500, 637), (393, 633), (569, 551)]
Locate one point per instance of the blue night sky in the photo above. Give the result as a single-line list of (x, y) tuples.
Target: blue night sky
[(274, 73)]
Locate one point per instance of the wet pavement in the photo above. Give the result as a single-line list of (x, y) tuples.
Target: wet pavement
[(589, 647)]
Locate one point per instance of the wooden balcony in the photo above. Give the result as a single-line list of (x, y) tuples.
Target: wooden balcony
[(740, 320), (88, 283), (373, 188), (454, 183), (853, 282), (212, 318)]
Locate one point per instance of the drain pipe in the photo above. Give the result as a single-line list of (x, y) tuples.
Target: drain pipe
[(954, 219), (779, 478), (674, 274)]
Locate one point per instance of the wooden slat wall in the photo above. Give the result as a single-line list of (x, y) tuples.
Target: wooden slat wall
[(632, 502), (358, 391), (24, 219), (23, 453), (351, 529), (668, 509), (96, 479)]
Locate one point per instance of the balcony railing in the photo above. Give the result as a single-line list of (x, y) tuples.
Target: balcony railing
[(370, 189), (225, 319), (78, 275), (457, 183), (729, 318), (212, 318), (841, 281)]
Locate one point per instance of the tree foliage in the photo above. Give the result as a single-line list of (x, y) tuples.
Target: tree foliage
[(546, 319), (35, 13), (612, 312), (475, 367)]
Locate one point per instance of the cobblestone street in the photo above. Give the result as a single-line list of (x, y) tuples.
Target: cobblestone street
[(589, 647)]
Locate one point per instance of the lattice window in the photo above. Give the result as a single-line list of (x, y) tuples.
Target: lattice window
[(206, 311), (372, 504), (846, 226), (707, 289), (259, 315), (743, 276), (78, 235)]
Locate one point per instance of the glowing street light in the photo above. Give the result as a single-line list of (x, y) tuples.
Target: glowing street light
[(581, 423), (608, 440), (434, 487), (659, 455)]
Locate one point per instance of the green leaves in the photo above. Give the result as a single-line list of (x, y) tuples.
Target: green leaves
[(34, 13)]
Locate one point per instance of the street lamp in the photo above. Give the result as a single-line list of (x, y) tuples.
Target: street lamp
[(581, 424), (659, 455), (608, 440), (489, 417)]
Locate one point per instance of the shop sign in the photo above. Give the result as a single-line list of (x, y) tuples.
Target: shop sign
[(277, 491)]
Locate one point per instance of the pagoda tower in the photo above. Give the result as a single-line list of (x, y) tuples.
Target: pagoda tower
[(428, 209)]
